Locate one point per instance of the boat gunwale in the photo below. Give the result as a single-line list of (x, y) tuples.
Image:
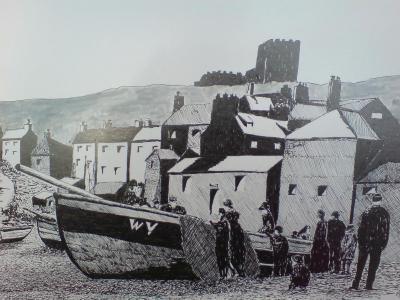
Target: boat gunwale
[(113, 204)]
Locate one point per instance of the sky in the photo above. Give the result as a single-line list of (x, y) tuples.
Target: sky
[(64, 48)]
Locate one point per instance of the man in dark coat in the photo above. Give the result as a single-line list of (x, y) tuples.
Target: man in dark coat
[(336, 230), (267, 218), (373, 236), (222, 243), (280, 248), (320, 248)]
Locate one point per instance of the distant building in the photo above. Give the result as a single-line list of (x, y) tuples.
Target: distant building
[(201, 185), (18, 145), (236, 133), (102, 157), (304, 113), (182, 130), (322, 162), (156, 176), (277, 60), (52, 157), (143, 144)]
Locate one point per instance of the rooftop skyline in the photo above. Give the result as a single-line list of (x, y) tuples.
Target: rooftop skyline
[(70, 48)]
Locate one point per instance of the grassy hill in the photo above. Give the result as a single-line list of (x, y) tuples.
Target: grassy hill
[(124, 105)]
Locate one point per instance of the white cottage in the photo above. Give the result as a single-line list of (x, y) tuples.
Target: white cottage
[(201, 184), (143, 144)]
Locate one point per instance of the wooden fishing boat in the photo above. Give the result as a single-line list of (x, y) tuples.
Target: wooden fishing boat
[(48, 230), (13, 232), (113, 240)]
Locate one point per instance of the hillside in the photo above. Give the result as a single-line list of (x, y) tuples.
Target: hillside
[(124, 105)]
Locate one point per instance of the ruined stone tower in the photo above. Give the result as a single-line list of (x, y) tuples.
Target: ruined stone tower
[(277, 60)]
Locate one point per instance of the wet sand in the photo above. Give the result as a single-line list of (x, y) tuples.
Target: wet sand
[(29, 270)]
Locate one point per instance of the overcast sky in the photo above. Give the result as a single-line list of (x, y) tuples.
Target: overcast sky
[(74, 47)]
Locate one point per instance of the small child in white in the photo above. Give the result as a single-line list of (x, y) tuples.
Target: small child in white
[(348, 248)]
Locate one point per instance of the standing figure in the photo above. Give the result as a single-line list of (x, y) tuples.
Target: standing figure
[(236, 239), (336, 230), (300, 276), (373, 236), (349, 245), (320, 248), (280, 248), (222, 243), (267, 218)]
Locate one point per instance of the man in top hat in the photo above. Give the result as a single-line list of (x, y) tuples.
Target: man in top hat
[(336, 230), (373, 236)]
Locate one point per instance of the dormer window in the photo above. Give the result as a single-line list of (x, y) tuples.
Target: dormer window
[(376, 116), (254, 145)]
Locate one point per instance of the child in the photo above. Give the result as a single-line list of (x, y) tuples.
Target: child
[(348, 248), (300, 273)]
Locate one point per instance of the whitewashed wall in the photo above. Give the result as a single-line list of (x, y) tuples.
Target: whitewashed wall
[(83, 152), (139, 152), (309, 164), (110, 159), (12, 151), (247, 199)]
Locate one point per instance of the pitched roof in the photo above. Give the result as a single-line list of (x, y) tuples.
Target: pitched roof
[(47, 146), (148, 134), (242, 163), (335, 124), (307, 111), (356, 104), (258, 103), (191, 114), (164, 154), (107, 135), (259, 126), (15, 134), (386, 173)]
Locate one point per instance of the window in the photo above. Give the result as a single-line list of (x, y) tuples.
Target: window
[(103, 148), (116, 170), (78, 148), (376, 116), (277, 146), (119, 148), (238, 179), (151, 164), (103, 169), (322, 190), (87, 147), (6, 151), (155, 147), (172, 134), (195, 131), (254, 144), (38, 161), (7, 143), (77, 161), (14, 152), (184, 182), (369, 190), (292, 189), (138, 148)]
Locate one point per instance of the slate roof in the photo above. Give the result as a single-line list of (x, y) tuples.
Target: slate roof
[(148, 134), (191, 114), (307, 111), (15, 134), (356, 104), (107, 135), (47, 146), (164, 154), (259, 126), (257, 103), (335, 124), (242, 163), (386, 173)]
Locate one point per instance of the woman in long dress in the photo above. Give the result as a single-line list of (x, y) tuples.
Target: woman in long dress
[(320, 248)]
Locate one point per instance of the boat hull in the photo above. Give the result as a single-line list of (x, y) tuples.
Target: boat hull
[(110, 240), (14, 233), (48, 231)]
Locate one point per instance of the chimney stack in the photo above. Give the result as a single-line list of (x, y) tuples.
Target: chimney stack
[(250, 90), (179, 101), (83, 126), (47, 133), (333, 100), (28, 125), (301, 93), (108, 124)]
